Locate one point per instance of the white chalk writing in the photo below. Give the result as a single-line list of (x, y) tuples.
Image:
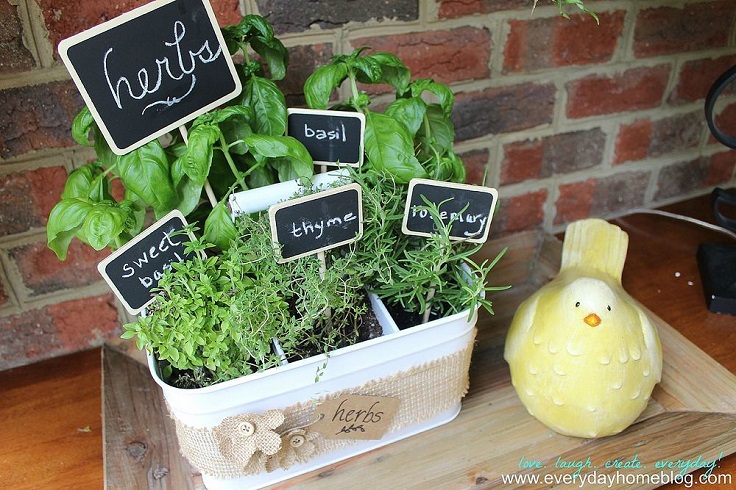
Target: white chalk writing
[(147, 84), (317, 228), (336, 133), (452, 217)]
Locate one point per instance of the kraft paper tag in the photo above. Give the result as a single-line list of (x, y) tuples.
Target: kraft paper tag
[(355, 417)]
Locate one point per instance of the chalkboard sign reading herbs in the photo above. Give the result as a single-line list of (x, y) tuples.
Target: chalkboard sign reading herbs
[(330, 137), (468, 207), (149, 71), (317, 222), (134, 270)]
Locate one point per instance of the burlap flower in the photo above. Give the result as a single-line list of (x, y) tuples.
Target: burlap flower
[(297, 446), (242, 436)]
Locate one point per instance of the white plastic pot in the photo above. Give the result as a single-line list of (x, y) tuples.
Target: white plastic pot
[(349, 367), (345, 370)]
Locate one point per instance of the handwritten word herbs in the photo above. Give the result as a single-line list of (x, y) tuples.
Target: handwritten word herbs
[(174, 67), (355, 417), (151, 70)]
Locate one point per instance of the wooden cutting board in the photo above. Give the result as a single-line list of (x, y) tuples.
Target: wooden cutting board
[(691, 415)]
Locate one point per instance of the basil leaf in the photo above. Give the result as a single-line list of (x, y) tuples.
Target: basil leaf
[(458, 172), (393, 71), (238, 113), (136, 215), (409, 111), (82, 125), (322, 82), (442, 92), (235, 130), (368, 69), (283, 146), (441, 130), (390, 148), (85, 183), (274, 54), (219, 228), (198, 159), (103, 224), (189, 195), (268, 103), (255, 25), (145, 171), (260, 177), (65, 220)]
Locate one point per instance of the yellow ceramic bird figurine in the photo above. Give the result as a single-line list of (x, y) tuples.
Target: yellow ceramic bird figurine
[(584, 356)]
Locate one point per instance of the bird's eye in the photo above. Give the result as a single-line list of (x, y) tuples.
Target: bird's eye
[(577, 305), (609, 307)]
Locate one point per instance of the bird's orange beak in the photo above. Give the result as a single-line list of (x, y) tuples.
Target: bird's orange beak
[(592, 320)]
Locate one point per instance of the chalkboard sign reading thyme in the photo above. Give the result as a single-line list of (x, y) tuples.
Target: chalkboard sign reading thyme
[(330, 137), (134, 270), (469, 208), (317, 222), (151, 70)]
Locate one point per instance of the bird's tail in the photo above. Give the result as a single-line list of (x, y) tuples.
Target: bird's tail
[(595, 244)]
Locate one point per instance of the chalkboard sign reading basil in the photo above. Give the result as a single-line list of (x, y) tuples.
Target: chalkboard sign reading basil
[(149, 71), (134, 270), (317, 222), (330, 137), (469, 208)]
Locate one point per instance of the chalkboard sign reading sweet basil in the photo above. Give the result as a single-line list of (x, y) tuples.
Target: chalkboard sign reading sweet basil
[(469, 208), (311, 224), (135, 269), (149, 71), (330, 137)]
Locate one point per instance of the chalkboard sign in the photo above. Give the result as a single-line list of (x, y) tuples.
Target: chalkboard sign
[(330, 137), (134, 270), (149, 71), (469, 208), (317, 222)]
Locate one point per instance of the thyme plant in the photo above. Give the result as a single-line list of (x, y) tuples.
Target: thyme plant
[(216, 317)]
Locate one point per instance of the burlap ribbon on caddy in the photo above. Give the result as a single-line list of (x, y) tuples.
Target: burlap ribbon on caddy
[(252, 443)]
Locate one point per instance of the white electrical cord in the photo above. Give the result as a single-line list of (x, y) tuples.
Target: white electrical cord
[(704, 224)]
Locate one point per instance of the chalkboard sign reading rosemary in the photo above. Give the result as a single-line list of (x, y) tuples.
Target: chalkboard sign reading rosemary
[(317, 222), (330, 137), (134, 270), (150, 70), (468, 208)]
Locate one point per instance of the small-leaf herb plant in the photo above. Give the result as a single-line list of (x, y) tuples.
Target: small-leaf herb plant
[(412, 138), (216, 317)]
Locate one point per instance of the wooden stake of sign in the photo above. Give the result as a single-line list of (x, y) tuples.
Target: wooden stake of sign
[(318, 222), (322, 275), (467, 209)]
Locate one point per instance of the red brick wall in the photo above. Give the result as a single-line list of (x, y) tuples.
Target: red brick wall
[(566, 118)]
